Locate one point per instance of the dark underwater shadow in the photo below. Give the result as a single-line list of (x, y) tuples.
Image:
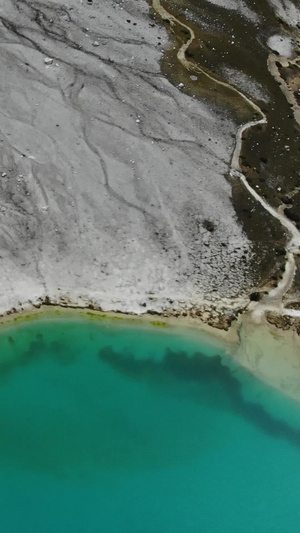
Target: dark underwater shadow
[(57, 350), (203, 370)]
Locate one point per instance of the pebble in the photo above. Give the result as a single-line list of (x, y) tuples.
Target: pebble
[(48, 60), (96, 43)]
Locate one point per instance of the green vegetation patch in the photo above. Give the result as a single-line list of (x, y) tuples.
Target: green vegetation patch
[(158, 323)]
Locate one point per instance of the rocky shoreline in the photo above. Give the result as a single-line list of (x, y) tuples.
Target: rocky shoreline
[(218, 316)]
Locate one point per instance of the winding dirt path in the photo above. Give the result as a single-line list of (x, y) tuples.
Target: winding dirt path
[(274, 299)]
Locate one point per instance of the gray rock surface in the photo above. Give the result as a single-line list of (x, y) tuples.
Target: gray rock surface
[(113, 181)]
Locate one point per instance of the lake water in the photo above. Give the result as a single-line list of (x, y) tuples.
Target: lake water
[(115, 429)]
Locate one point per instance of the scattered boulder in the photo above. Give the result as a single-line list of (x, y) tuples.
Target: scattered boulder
[(256, 296), (209, 225)]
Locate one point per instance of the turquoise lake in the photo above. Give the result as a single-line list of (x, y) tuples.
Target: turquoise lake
[(114, 429)]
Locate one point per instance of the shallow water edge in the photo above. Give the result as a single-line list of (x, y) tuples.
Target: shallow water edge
[(183, 325), (270, 353)]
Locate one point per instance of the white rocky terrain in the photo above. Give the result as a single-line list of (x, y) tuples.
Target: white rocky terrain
[(113, 184)]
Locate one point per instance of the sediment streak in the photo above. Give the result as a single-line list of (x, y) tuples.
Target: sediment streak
[(274, 299)]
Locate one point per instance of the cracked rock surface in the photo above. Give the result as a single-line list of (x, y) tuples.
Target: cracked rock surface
[(112, 181)]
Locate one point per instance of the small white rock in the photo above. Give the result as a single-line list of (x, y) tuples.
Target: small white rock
[(3, 174), (96, 43), (48, 60), (180, 85)]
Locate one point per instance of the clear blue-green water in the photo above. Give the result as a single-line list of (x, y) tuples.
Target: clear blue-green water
[(117, 429)]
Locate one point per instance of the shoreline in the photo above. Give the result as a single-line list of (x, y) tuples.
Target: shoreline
[(154, 319), (265, 348), (270, 353)]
